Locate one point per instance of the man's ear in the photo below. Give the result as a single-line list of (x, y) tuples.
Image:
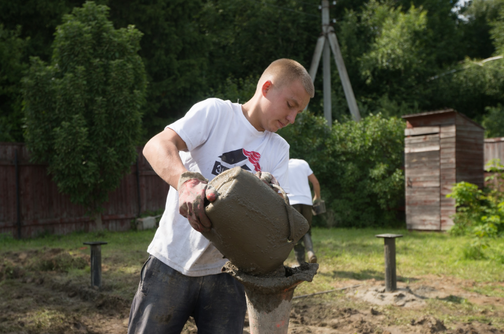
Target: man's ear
[(266, 87)]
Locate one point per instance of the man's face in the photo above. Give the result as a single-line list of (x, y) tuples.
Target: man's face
[(281, 105)]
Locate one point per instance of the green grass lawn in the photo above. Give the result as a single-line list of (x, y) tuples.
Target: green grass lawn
[(349, 254), (344, 254)]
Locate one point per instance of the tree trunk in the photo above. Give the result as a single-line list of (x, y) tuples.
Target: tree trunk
[(98, 222)]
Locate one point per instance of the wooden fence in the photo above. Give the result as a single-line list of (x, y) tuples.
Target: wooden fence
[(494, 149), (30, 203)]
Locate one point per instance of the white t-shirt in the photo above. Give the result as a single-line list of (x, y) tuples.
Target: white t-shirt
[(218, 137), (300, 192)]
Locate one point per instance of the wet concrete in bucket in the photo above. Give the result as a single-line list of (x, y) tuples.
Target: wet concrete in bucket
[(252, 225)]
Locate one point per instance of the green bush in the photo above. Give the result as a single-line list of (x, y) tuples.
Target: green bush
[(358, 164), (236, 90), (83, 111), (493, 121), (480, 212)]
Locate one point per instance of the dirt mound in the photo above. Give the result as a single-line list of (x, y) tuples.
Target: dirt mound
[(15, 265), (47, 305), (401, 297), (326, 318), (38, 296), (429, 324), (476, 328), (59, 260)]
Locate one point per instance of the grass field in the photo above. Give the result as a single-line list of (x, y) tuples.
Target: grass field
[(46, 281), (358, 254), (344, 254)]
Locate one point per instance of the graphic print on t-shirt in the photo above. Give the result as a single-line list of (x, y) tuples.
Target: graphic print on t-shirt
[(234, 158)]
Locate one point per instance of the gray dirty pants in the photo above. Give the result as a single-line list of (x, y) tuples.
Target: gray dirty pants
[(165, 300), (299, 247)]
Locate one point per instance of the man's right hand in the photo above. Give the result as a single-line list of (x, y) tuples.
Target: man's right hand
[(267, 178), (193, 189)]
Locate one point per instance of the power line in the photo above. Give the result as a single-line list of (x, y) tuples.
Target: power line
[(481, 63)]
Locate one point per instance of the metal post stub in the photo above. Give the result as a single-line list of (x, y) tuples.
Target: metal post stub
[(390, 261), (95, 262)]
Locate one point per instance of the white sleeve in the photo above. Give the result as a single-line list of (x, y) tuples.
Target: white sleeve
[(308, 169), (197, 124)]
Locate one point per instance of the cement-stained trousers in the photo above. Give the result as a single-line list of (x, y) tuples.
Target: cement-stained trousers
[(165, 300)]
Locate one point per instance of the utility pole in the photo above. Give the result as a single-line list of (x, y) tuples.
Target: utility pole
[(326, 43)]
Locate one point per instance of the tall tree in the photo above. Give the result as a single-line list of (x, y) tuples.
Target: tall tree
[(443, 38), (194, 48), (386, 57), (32, 23), (405, 57), (37, 20), (478, 18), (246, 36), (175, 53), (475, 86), (12, 50), (83, 111)]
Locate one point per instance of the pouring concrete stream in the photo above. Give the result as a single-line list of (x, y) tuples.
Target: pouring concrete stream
[(256, 229)]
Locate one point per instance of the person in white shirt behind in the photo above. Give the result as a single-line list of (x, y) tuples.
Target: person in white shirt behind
[(300, 198)]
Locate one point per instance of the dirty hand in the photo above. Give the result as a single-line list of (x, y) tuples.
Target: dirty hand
[(267, 178), (193, 189)]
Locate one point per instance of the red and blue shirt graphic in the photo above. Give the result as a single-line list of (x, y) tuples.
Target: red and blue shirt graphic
[(240, 157)]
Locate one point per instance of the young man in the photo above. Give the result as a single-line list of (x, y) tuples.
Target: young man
[(182, 276), (300, 198)]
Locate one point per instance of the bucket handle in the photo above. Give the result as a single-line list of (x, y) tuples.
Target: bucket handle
[(288, 209)]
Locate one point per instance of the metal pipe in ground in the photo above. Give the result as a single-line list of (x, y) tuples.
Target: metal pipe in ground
[(269, 297), (96, 262), (390, 260)]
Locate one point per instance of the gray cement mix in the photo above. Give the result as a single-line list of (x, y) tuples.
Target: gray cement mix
[(252, 225)]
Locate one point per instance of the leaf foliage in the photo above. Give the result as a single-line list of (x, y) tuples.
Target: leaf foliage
[(83, 110), (358, 164)]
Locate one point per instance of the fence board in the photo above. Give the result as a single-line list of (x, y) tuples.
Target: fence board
[(42, 208)]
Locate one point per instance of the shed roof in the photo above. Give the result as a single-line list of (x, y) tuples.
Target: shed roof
[(439, 112)]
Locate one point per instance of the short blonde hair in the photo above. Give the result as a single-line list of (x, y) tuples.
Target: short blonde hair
[(287, 70)]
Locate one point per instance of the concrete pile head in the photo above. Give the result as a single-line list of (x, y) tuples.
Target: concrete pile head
[(269, 296)]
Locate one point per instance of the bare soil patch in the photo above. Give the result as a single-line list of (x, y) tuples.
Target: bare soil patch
[(37, 296)]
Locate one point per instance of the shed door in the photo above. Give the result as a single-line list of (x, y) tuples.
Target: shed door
[(422, 174)]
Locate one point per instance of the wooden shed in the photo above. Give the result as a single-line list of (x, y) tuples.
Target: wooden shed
[(441, 148)]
